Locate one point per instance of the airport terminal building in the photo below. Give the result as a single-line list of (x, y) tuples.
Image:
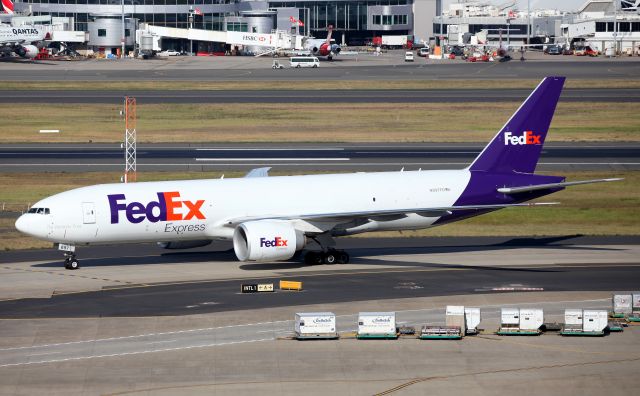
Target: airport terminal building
[(355, 22)]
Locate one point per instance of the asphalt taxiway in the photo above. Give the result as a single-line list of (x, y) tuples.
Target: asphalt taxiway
[(153, 282), (389, 66), (295, 157), (175, 322), (458, 95)]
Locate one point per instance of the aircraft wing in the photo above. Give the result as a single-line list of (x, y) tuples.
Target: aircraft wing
[(258, 172), (343, 216), (519, 189)]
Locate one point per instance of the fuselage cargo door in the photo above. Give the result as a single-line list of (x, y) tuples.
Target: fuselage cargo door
[(88, 213)]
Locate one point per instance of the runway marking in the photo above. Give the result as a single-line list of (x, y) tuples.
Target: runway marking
[(272, 149), (273, 159), (136, 352), (352, 163), (143, 335), (502, 371)]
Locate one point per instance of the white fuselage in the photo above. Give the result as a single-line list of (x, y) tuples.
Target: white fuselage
[(204, 209)]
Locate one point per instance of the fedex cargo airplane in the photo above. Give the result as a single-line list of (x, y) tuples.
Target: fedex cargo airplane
[(272, 218)]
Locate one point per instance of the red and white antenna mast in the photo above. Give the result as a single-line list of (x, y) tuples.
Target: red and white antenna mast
[(130, 139)]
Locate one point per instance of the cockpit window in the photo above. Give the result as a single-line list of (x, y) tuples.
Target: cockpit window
[(44, 211)]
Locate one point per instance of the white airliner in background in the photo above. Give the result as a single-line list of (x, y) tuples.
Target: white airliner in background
[(272, 218), (20, 40)]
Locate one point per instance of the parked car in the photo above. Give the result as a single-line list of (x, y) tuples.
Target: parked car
[(169, 53), (457, 51), (408, 56), (424, 51), (553, 50)]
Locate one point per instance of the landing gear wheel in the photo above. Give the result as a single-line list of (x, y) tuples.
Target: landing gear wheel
[(71, 263), (312, 258), (330, 258), (343, 258)]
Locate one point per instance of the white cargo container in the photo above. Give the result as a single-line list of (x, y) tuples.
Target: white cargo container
[(594, 321), (635, 307), (315, 325), (454, 317), (573, 317), (472, 319), (510, 317), (531, 318), (377, 325), (622, 304)]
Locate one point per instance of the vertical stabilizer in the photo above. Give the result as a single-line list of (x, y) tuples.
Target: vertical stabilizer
[(517, 147)]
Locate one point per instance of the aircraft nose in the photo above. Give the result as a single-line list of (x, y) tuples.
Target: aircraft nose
[(25, 225), (21, 224)]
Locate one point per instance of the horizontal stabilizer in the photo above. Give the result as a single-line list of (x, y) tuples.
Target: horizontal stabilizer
[(259, 172), (520, 189)]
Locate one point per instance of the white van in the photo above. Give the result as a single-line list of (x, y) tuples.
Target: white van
[(304, 61)]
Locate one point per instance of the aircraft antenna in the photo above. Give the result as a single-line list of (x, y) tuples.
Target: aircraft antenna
[(130, 117)]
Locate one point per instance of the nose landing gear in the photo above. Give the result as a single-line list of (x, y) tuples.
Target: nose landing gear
[(70, 262)]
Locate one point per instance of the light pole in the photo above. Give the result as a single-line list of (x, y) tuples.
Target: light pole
[(441, 32), (190, 28), (528, 23), (123, 31)]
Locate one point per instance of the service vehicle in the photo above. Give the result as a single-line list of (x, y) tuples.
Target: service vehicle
[(408, 56), (304, 61)]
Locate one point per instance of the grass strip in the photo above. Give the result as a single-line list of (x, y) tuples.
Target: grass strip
[(359, 122)]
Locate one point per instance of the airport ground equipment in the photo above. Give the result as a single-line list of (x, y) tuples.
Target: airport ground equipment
[(380, 325), (290, 285), (441, 333), (454, 329), (587, 322), (455, 317), (635, 308), (622, 305), (616, 325), (516, 321), (315, 325), (472, 318)]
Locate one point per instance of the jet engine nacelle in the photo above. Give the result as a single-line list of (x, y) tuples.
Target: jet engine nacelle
[(27, 51), (184, 244), (267, 240)]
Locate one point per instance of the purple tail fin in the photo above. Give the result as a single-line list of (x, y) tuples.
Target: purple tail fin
[(517, 147)]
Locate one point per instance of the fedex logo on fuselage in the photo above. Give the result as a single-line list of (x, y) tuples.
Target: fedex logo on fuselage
[(527, 137), (276, 242), (168, 207)]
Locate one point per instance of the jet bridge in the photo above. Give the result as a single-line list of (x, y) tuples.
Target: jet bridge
[(258, 43)]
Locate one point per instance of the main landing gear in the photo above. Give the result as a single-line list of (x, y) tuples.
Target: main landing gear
[(331, 256), (71, 262), (328, 255)]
